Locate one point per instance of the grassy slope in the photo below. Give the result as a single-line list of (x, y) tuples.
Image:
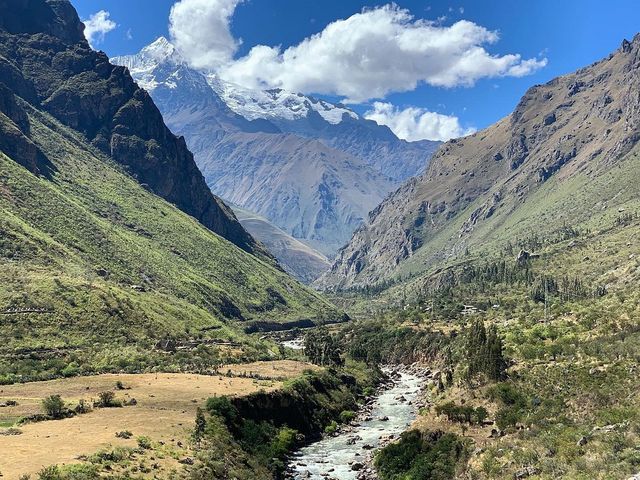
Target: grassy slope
[(575, 365), (589, 203), (57, 234)]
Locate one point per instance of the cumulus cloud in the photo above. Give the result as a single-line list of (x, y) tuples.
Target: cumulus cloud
[(417, 123), (365, 56), (97, 26), (200, 31)]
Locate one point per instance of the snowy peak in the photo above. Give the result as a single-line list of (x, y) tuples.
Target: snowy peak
[(159, 52), (276, 104), (252, 104), (144, 65)]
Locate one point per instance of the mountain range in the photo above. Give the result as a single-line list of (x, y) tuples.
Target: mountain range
[(109, 235), (566, 158), (312, 168)]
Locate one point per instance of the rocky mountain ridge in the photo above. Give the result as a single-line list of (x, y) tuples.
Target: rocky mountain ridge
[(494, 185)]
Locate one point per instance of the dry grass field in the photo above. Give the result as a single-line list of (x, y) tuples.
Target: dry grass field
[(280, 370), (165, 412)]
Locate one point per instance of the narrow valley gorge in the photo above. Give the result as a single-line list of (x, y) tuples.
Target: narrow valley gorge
[(319, 240)]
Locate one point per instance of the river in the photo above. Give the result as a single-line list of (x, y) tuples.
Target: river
[(335, 457)]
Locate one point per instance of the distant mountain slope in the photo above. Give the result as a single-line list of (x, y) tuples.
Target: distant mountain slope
[(301, 185), (95, 268), (242, 137), (560, 160), (298, 259), (334, 124)]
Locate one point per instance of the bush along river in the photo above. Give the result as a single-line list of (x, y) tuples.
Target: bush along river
[(348, 453)]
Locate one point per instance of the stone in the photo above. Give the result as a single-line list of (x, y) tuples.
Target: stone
[(525, 472), (549, 119)]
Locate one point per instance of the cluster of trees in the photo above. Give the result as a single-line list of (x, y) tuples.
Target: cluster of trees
[(322, 348), (535, 241), (485, 352), (462, 413), (625, 219), (565, 288), (422, 456)]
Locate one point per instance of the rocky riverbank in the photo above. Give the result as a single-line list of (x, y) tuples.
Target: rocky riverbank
[(347, 453)]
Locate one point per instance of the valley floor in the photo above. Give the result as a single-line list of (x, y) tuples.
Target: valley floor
[(165, 410)]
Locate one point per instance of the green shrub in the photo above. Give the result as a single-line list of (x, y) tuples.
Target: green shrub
[(283, 443), (331, 428), (508, 417), (71, 370), (480, 415), (108, 400), (508, 394), (54, 406), (421, 456), (347, 415), (51, 472), (126, 434), (222, 407), (144, 443), (461, 413)]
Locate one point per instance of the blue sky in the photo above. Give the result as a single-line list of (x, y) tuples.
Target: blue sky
[(560, 36)]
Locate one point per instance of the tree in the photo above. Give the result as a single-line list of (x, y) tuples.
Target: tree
[(54, 406), (485, 351), (480, 415), (201, 425), (321, 348)]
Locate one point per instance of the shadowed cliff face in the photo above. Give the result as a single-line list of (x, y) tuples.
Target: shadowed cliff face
[(45, 59), (574, 128)]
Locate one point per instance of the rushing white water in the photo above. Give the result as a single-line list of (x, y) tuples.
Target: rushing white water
[(295, 344), (333, 457)]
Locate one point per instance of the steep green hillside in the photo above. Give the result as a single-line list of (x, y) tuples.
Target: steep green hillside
[(112, 265), (110, 240), (45, 59)]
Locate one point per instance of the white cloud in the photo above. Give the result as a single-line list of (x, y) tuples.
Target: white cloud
[(200, 30), (417, 123), (365, 56), (97, 26)]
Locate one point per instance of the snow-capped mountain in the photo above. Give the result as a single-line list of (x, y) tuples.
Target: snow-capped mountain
[(143, 65), (313, 168), (276, 104)]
